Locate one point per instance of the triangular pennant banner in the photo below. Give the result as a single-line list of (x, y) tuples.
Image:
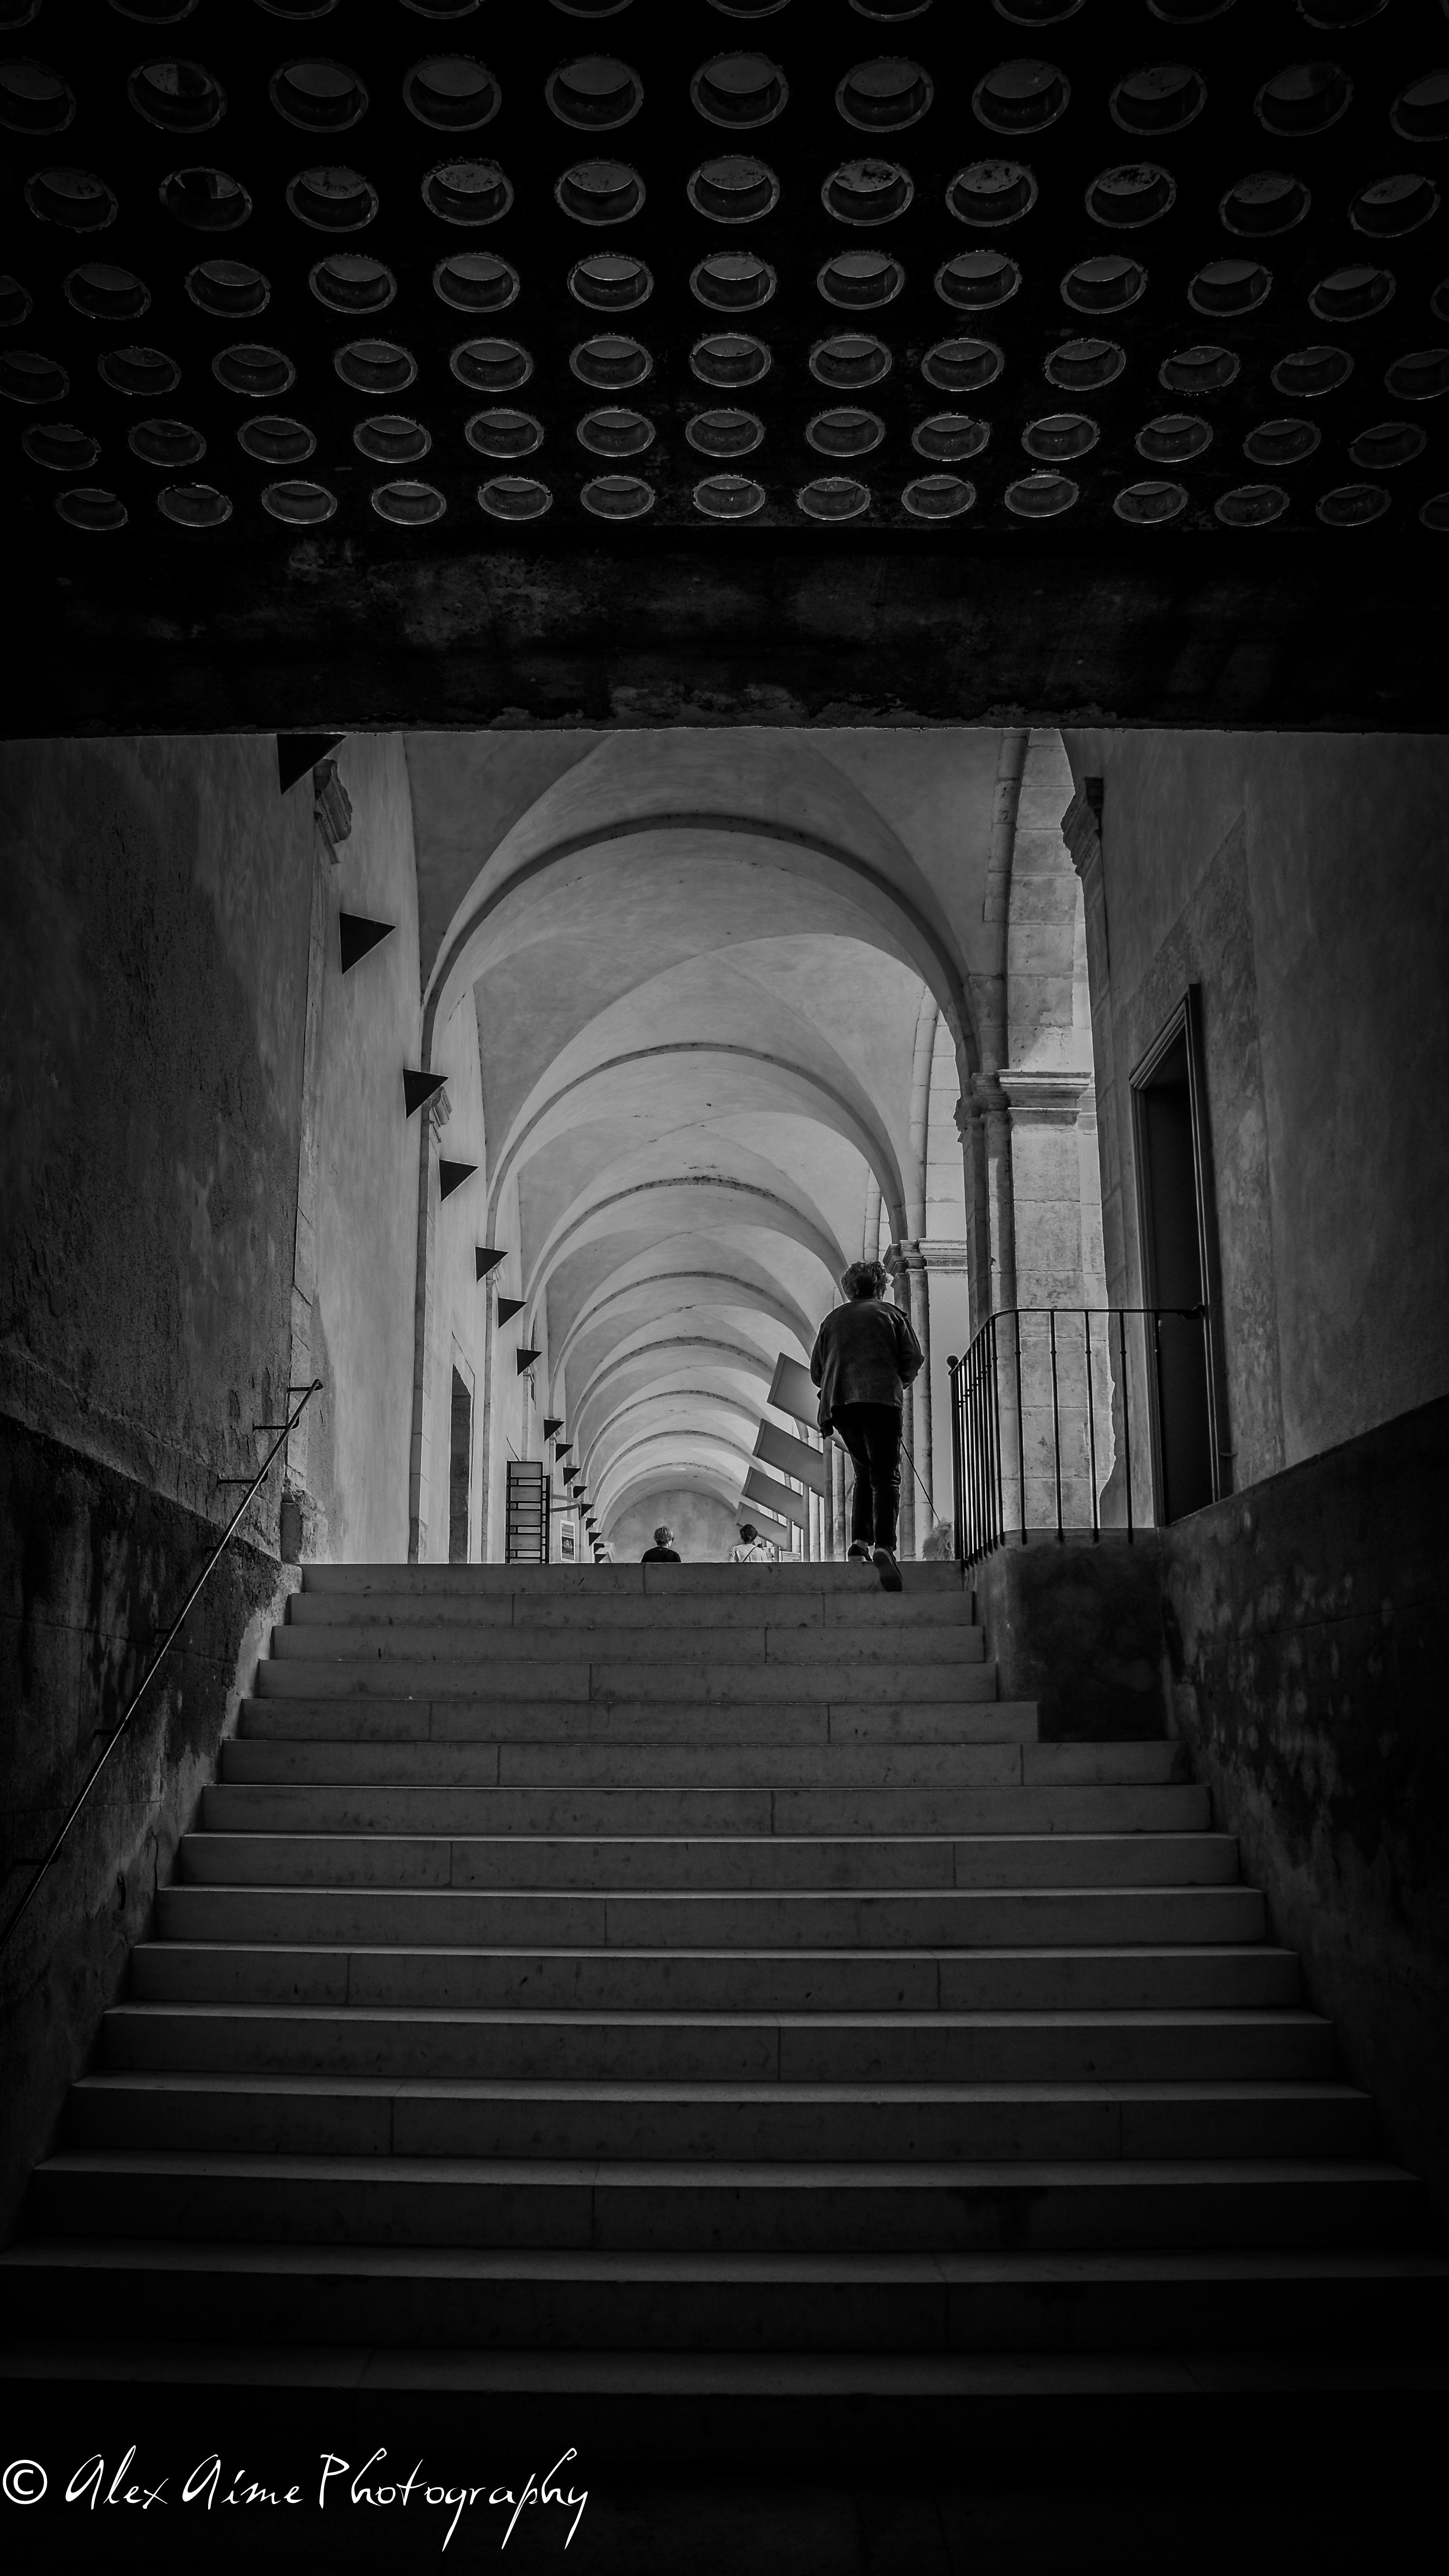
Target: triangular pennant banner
[(298, 752), (526, 1358), (451, 1176), (552, 1422), (419, 1088), (356, 936), (485, 1258), (508, 1307)]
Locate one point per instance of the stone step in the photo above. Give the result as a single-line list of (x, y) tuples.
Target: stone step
[(860, 1612), (536, 2046), (299, 1806), (486, 1681), (644, 1582), (957, 1918), (1336, 2300), (735, 1863), (938, 1648), (769, 1726), (1243, 1978), (301, 2115), (875, 1768), (724, 2207)]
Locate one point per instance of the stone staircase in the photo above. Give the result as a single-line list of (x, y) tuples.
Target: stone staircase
[(706, 1962)]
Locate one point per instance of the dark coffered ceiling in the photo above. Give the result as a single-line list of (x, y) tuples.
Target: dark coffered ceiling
[(436, 361)]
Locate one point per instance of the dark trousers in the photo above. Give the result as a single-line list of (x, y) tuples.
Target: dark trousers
[(872, 1435)]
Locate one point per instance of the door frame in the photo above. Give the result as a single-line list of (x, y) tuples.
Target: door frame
[(1185, 1023)]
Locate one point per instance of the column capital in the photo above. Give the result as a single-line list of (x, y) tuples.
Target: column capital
[(1082, 826), (907, 1254), (1049, 1096), (982, 1098)]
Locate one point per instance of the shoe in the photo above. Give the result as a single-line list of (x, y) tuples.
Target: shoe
[(890, 1572), (859, 1551)]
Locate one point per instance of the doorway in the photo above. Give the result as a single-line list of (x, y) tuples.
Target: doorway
[(460, 1459), (1179, 1263)]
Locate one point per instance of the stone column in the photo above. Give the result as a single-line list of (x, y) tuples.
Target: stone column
[(909, 1266), (303, 1522), (1082, 832), (434, 1119)]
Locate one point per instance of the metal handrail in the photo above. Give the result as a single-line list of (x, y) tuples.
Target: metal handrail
[(115, 1734)]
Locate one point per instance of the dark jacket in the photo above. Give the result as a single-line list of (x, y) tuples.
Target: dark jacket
[(865, 1353), (661, 1556)]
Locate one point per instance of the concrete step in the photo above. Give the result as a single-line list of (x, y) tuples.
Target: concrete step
[(897, 2047), (1242, 1978), (299, 1806), (768, 1726), (1350, 2300), (486, 1680), (724, 2207), (733, 1648), (861, 1611), (642, 1582), (736, 1863), (878, 1768), (302, 2115), (893, 1919)]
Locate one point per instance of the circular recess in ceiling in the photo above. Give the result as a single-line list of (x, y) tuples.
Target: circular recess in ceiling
[(1021, 97), (730, 358), (250, 368), (467, 192), (301, 505), (1133, 193), (1438, 302), (1420, 376), (859, 279), (975, 280), (1352, 505), (453, 92), (729, 496), (1172, 438), (867, 192), (833, 496), (1268, 201), (949, 437), (989, 193), (739, 89), (408, 504), (209, 200), (514, 496), (15, 14), (733, 281), (1352, 294), (1306, 373), (28, 377), (1151, 504), (1394, 206), (475, 281), (1389, 443), (618, 496), (615, 432), (391, 438), (962, 366), (594, 92), (887, 93), (322, 97), (850, 361), (347, 281), (610, 282), (60, 447), (1158, 98), (1036, 13), (194, 505), (939, 496), (301, 9), (423, 8), (735, 189), (1277, 443), (1230, 286), (611, 361), (1079, 366), (1435, 513), (1203, 369), (1251, 505), (106, 294), (274, 439), (182, 98), (504, 433), (139, 371), (886, 9), (15, 302), (148, 13), (1421, 112), (34, 99), (1041, 496), (493, 366), (735, 8), (167, 443), (1105, 285), (845, 433), (331, 198), (1060, 436), (228, 289), (724, 432), (380, 366), (87, 506), (76, 198), (600, 192), (1304, 98), (1340, 13)]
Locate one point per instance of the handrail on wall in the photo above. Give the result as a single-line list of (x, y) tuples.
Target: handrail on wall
[(158, 1659)]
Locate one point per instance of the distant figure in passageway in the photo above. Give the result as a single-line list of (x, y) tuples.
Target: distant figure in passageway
[(865, 1357), (752, 1549), (664, 1551)]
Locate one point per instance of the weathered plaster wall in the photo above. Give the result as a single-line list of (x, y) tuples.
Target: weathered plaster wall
[(704, 1530), (459, 1308), (1302, 880), (515, 1416)]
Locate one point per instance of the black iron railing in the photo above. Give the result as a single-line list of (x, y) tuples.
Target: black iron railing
[(1055, 1415)]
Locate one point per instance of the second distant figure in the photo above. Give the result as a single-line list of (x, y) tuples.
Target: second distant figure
[(865, 1357)]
